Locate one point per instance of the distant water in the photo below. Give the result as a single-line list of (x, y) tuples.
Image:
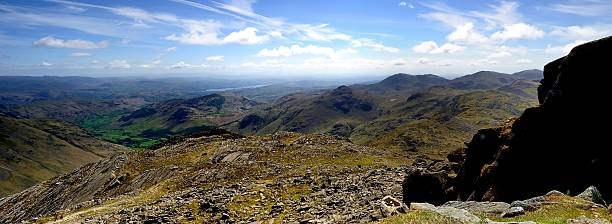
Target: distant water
[(234, 88)]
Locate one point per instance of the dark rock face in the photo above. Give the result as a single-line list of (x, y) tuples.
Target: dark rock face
[(561, 145), (427, 185)]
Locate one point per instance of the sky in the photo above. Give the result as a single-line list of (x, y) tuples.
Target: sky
[(291, 38)]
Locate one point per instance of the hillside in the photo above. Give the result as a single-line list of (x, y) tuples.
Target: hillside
[(401, 112), (158, 121), (36, 150)]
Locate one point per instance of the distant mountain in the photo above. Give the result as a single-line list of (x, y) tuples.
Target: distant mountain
[(149, 124), (399, 112), (404, 83), (482, 80), (533, 74), (35, 150)]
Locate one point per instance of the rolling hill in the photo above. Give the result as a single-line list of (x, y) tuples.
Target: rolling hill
[(400, 112)]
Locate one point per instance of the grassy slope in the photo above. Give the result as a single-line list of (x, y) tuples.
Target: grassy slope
[(35, 150)]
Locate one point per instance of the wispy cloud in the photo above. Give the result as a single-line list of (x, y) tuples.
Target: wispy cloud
[(118, 64), (50, 41), (80, 54), (215, 58), (308, 32), (582, 32), (376, 46), (182, 64), (587, 8)]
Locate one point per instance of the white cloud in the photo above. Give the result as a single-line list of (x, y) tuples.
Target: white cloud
[(182, 64), (518, 31), (206, 34), (523, 61), (271, 63), (295, 49), (449, 19), (368, 43), (215, 58), (318, 33), (45, 64), (170, 49), (500, 54), (247, 36), (74, 9), (153, 64), (118, 64), (347, 51), (94, 62), (506, 51), (50, 41), (563, 49), (425, 47), (448, 49), (504, 13), (466, 34), (582, 32), (433, 48), (276, 34), (398, 62), (405, 4), (429, 62), (485, 61), (80, 54)]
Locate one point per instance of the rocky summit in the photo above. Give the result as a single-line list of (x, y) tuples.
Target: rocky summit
[(558, 145)]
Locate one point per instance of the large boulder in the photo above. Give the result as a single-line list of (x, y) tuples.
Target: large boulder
[(560, 145)]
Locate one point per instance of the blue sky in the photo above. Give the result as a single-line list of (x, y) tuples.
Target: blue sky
[(291, 38)]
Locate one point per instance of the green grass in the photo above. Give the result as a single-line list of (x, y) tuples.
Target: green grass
[(106, 127), (418, 217), (558, 212)]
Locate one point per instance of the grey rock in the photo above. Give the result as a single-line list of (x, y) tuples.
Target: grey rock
[(512, 212), (480, 207), (460, 215), (593, 195)]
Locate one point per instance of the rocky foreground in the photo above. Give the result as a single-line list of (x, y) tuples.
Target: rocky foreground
[(285, 176)]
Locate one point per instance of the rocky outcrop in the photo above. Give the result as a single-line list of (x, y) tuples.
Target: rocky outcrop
[(560, 145)]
